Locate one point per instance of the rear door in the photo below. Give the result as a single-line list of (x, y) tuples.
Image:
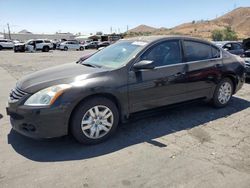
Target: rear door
[(75, 45), (204, 67), (9, 44), (39, 44), (165, 84)]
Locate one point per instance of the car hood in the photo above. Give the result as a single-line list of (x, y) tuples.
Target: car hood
[(62, 74), (19, 44)]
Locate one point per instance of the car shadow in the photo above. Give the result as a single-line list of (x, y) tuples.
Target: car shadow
[(137, 131), (1, 116)]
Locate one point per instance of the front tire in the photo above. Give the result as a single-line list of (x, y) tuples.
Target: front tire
[(223, 93), (66, 48), (94, 120)]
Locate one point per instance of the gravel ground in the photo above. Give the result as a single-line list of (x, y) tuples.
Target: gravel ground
[(178, 147), (19, 64)]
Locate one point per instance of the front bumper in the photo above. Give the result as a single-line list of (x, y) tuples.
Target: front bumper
[(19, 48), (38, 122)]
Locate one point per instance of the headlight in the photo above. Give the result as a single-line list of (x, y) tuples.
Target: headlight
[(46, 96)]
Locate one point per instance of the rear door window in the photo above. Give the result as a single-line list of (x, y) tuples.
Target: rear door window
[(236, 46), (39, 41), (197, 51)]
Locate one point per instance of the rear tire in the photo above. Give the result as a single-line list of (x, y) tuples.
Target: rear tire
[(94, 120), (45, 49), (223, 93), (1, 47), (81, 48)]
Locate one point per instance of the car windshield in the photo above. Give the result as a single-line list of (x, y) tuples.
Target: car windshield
[(115, 55)]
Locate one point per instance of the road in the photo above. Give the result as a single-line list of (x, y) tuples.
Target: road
[(192, 145)]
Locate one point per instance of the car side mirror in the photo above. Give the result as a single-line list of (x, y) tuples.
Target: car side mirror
[(144, 64)]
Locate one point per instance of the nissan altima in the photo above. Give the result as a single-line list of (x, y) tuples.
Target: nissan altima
[(91, 97)]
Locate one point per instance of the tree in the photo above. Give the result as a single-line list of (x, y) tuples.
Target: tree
[(217, 35)]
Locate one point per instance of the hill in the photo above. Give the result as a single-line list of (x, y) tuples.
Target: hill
[(142, 29), (238, 20)]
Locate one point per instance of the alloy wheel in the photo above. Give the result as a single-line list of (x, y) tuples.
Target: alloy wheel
[(97, 122), (225, 92)]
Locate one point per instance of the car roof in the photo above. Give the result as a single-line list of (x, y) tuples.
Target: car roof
[(225, 42), (154, 38)]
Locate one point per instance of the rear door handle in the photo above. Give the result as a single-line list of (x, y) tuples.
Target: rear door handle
[(179, 74), (218, 65)]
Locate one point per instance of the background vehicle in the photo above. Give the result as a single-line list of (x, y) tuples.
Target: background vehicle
[(246, 46), (103, 44), (40, 44), (71, 45), (6, 44), (247, 63), (91, 45), (90, 97), (232, 47)]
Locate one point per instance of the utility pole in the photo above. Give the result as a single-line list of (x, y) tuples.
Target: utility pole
[(4, 33), (127, 28), (111, 30), (8, 25)]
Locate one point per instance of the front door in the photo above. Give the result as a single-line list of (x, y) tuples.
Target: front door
[(165, 84)]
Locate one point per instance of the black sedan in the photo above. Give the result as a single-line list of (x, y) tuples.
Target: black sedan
[(92, 45), (89, 98), (103, 44)]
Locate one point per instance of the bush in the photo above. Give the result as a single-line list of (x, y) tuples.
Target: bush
[(225, 34), (229, 34), (217, 35)]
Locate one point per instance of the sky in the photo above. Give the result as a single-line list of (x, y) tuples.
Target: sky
[(90, 16)]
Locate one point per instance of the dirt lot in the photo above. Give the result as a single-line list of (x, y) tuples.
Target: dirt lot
[(189, 146)]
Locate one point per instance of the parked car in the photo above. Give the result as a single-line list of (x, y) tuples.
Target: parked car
[(232, 47), (91, 45), (39, 44), (103, 44), (71, 45), (6, 44), (89, 98), (247, 63), (246, 46)]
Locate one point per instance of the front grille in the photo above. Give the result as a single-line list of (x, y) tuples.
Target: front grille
[(16, 94)]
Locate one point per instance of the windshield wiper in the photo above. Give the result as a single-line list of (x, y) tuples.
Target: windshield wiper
[(91, 65)]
